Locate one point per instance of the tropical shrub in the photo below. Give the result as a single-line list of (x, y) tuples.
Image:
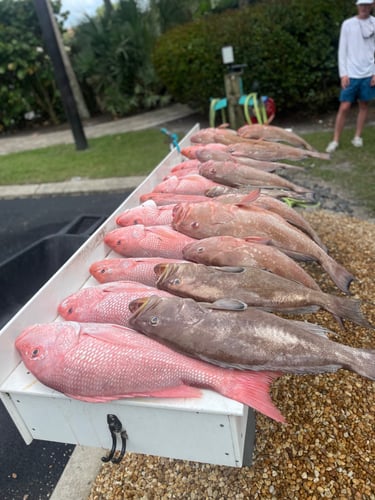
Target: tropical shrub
[(27, 87), (289, 48), (111, 57)]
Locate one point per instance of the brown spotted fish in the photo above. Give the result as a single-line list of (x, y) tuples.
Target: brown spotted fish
[(248, 339), (255, 287)]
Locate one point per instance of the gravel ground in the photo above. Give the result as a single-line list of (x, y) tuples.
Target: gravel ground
[(327, 450)]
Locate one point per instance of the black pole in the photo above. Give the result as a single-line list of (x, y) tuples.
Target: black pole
[(61, 77)]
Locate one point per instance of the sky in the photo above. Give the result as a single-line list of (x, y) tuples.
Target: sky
[(79, 9)]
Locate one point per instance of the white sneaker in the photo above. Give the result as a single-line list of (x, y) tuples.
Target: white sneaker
[(332, 146), (357, 142)]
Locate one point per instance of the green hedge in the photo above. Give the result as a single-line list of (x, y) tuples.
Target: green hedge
[(289, 47)]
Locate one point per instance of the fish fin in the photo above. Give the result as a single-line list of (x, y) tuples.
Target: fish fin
[(345, 308), (341, 277), (225, 304), (317, 154), (253, 389), (250, 197), (106, 332), (229, 269), (258, 239), (296, 255), (295, 310), (182, 391), (363, 362), (313, 328), (122, 286)]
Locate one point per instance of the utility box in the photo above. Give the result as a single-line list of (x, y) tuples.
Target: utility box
[(211, 429)]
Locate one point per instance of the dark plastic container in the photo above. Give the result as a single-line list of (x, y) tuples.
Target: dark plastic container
[(22, 275)]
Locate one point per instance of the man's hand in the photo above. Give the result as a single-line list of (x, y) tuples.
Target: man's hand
[(345, 82), (372, 83)]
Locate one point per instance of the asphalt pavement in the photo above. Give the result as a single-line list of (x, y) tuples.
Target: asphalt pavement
[(80, 467)]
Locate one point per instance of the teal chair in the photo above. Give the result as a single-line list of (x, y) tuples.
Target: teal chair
[(217, 104)]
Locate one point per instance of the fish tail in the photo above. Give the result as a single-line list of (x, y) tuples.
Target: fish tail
[(345, 308), (317, 154), (340, 276), (253, 389), (362, 361)]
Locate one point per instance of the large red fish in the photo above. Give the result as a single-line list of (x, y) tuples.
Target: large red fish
[(234, 174), (188, 184), (262, 150), (148, 214), (207, 153), (202, 220), (191, 151), (169, 198), (261, 199), (253, 252), (101, 362), (273, 134), (128, 269), (220, 135), (106, 303), (147, 241), (257, 149), (185, 165)]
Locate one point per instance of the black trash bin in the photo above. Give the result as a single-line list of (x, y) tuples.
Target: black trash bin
[(22, 275)]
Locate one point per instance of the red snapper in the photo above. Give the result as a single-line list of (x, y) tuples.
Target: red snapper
[(102, 362)]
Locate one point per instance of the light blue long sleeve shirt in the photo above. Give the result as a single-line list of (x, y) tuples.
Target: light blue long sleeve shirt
[(356, 53)]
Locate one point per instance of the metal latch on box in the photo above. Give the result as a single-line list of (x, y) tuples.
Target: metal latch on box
[(115, 428)]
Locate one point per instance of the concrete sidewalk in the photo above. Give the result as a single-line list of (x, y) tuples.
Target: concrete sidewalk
[(41, 139)]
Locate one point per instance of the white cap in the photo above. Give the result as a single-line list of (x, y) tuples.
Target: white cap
[(364, 2)]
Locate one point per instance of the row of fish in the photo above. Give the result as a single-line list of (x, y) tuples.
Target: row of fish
[(206, 272)]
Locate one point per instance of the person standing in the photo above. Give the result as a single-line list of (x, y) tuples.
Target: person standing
[(356, 70)]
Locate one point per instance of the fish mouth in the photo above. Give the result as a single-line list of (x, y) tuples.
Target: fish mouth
[(163, 271), (160, 269), (137, 305), (216, 191), (177, 212)]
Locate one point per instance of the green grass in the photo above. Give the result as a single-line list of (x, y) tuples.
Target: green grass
[(120, 155), (353, 169)]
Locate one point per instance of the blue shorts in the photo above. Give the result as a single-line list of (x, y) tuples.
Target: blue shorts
[(359, 89)]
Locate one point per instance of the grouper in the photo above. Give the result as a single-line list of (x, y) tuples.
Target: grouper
[(255, 287), (248, 339)]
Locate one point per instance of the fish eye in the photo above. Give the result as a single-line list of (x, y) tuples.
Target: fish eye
[(200, 249), (154, 320), (102, 271), (137, 221), (213, 170), (195, 225), (118, 243), (70, 310), (35, 352), (176, 281)]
